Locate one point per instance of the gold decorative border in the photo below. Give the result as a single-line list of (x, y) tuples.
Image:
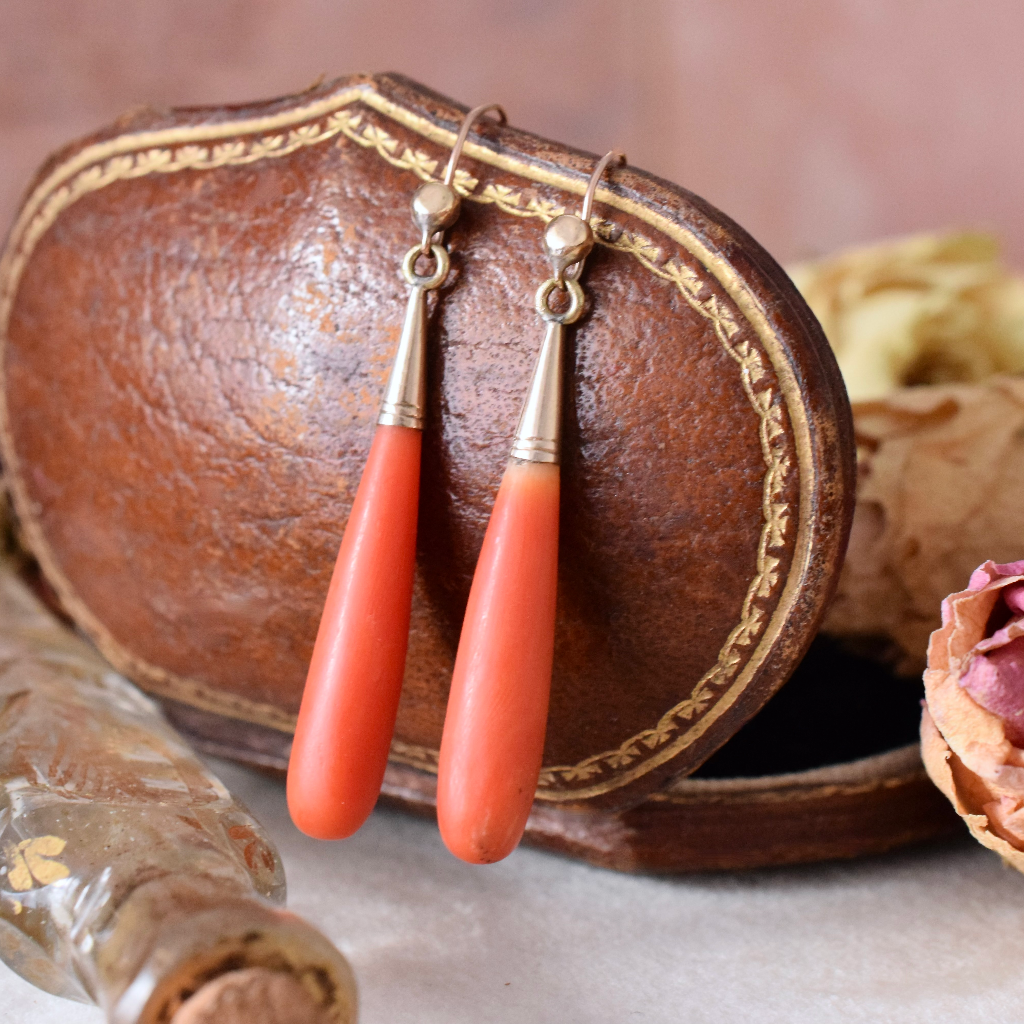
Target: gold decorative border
[(773, 533), (179, 148)]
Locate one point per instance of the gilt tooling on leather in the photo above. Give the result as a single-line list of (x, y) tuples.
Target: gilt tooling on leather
[(198, 321)]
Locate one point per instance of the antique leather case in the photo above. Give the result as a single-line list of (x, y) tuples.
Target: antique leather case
[(198, 309)]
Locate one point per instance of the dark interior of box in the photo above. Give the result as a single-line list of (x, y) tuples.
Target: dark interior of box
[(839, 705)]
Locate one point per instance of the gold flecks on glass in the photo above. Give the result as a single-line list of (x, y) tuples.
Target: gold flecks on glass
[(33, 862)]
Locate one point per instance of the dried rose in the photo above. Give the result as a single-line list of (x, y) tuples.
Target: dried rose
[(940, 488), (972, 730), (941, 481)]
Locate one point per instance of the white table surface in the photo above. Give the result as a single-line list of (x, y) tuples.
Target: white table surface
[(927, 936)]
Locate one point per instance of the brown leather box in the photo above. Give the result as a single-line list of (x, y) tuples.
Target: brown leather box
[(197, 312)]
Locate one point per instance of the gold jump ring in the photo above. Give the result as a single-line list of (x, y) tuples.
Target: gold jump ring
[(576, 300), (429, 281)]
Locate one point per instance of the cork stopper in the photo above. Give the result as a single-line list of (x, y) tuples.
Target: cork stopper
[(187, 950), (255, 995)]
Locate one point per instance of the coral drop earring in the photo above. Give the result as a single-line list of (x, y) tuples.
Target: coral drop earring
[(350, 702), (498, 707), (493, 738)]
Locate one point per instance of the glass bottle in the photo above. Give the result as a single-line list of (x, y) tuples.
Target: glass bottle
[(129, 875)]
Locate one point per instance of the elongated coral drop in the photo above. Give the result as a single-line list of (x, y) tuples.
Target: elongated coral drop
[(493, 737), (350, 701)]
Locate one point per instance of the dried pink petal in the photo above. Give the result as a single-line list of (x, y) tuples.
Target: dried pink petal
[(996, 681), (973, 727), (994, 673), (992, 572)]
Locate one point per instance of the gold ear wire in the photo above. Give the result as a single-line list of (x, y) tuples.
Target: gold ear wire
[(588, 198), (467, 122), (436, 204), (567, 241)]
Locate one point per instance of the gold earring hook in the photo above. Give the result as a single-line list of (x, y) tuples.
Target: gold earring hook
[(467, 122), (588, 199), (567, 240), (435, 206)]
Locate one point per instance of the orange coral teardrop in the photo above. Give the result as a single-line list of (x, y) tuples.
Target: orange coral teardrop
[(350, 702), (494, 729)]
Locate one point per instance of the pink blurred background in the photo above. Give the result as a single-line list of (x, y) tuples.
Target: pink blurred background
[(814, 124)]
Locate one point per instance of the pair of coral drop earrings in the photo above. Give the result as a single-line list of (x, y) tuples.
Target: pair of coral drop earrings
[(493, 738)]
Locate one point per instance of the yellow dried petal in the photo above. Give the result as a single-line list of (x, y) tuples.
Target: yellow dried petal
[(927, 309)]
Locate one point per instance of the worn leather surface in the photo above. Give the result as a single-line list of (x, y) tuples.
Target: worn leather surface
[(192, 365)]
